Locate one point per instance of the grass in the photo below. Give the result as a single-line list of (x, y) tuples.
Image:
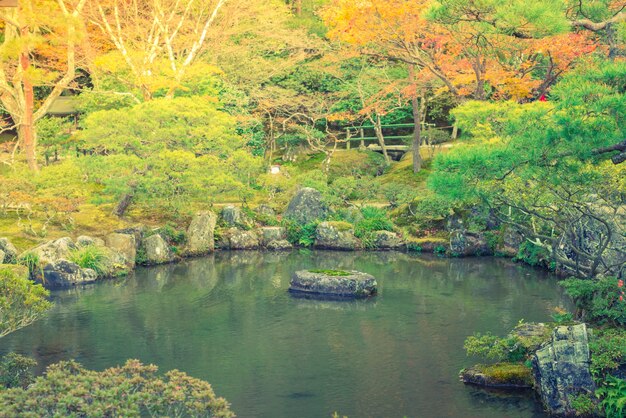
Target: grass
[(91, 257)]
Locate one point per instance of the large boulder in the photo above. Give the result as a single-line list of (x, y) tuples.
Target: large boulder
[(9, 250), (85, 241), (387, 240), (155, 250), (333, 283), (237, 239), (125, 245), (336, 236), (234, 216), (268, 234), (279, 245), (201, 234), (265, 210), (561, 369), (274, 238), (64, 273), (464, 243), (138, 231), (52, 251), (306, 206)]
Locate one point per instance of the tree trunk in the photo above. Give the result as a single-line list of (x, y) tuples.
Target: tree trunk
[(417, 130), (381, 139), (26, 129), (297, 7), (123, 204), (612, 41)]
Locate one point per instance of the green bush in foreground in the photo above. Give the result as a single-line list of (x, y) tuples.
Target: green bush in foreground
[(15, 371), (133, 390), (21, 301)]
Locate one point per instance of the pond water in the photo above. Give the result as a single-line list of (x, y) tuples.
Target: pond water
[(229, 319)]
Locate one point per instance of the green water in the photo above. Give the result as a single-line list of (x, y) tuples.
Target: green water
[(228, 319)]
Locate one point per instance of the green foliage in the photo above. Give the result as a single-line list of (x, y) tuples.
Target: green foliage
[(613, 395), (531, 253), (344, 189), (168, 154), (608, 350), (21, 300), (583, 404), (15, 371), (539, 17), (357, 164), (91, 257), (440, 249), (429, 210), (562, 317), (435, 136), (525, 171), (172, 234), (133, 390), (302, 235), (52, 133), (598, 300), (31, 262), (140, 256), (495, 348), (193, 124), (414, 247), (373, 219)]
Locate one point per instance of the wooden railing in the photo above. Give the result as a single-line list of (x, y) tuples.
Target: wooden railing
[(357, 133)]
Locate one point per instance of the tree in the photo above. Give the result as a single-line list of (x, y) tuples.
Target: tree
[(158, 40), (166, 154), (551, 179), (38, 54), (396, 30), (21, 301)]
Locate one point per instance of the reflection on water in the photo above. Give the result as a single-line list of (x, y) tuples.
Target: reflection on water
[(229, 319)]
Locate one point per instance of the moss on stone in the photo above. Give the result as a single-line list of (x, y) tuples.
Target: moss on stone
[(504, 375), (508, 373), (334, 273), (434, 240), (341, 226)]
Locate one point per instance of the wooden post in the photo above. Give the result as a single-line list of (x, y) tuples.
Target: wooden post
[(362, 146), (347, 138)]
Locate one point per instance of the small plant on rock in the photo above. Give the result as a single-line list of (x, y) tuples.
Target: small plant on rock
[(91, 257)]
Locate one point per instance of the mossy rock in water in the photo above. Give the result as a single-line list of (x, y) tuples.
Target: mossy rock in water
[(331, 272), (500, 375), (333, 284)]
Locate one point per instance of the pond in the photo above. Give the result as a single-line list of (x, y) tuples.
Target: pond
[(229, 319)]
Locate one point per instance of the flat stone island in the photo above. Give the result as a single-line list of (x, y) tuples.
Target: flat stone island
[(333, 283)]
